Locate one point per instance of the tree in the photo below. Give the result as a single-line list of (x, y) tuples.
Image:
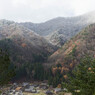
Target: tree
[(38, 71), (83, 78), (6, 68), (55, 77)]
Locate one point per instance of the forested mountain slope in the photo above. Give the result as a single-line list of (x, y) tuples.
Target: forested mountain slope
[(23, 44), (70, 54)]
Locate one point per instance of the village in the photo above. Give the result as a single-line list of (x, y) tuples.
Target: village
[(27, 88)]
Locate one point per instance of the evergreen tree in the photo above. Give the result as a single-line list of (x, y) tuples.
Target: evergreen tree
[(83, 79), (6, 68)]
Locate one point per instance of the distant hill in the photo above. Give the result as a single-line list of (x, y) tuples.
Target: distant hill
[(70, 54), (23, 44), (61, 29)]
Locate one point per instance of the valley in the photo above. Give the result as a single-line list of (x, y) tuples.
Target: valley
[(54, 51)]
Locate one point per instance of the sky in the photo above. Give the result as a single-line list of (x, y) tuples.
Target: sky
[(42, 10)]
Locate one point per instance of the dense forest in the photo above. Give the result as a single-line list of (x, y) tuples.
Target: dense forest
[(7, 69)]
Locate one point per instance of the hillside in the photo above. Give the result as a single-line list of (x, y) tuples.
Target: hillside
[(61, 29), (65, 59), (23, 44), (78, 47)]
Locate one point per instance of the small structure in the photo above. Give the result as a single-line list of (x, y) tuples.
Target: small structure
[(77, 91), (18, 88), (65, 89), (11, 92), (14, 83), (25, 84), (4, 93), (19, 93), (15, 93), (13, 87), (34, 91), (43, 86), (67, 93), (49, 93), (56, 90), (30, 89), (36, 85)]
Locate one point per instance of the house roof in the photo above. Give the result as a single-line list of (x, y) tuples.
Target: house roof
[(18, 88), (49, 92), (57, 89)]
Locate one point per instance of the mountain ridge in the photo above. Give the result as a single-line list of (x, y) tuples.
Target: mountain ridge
[(24, 40), (67, 27), (76, 48)]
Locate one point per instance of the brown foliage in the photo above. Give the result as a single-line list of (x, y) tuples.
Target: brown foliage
[(54, 70), (23, 45), (65, 76), (59, 86)]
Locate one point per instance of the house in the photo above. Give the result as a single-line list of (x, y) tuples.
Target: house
[(56, 90), (25, 84), (31, 89), (19, 93), (13, 87), (16, 93), (65, 89), (36, 85), (4, 93), (11, 92), (15, 84), (77, 91), (18, 88), (49, 93), (67, 93), (51, 87), (43, 86), (34, 91)]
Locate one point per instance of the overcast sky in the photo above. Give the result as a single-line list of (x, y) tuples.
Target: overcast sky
[(43, 10)]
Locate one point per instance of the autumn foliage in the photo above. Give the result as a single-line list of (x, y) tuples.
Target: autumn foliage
[(23, 45)]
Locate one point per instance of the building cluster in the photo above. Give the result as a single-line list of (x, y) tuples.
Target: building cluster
[(19, 89)]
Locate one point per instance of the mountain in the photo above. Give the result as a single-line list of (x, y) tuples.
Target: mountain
[(31, 44), (61, 29), (24, 45), (70, 54)]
